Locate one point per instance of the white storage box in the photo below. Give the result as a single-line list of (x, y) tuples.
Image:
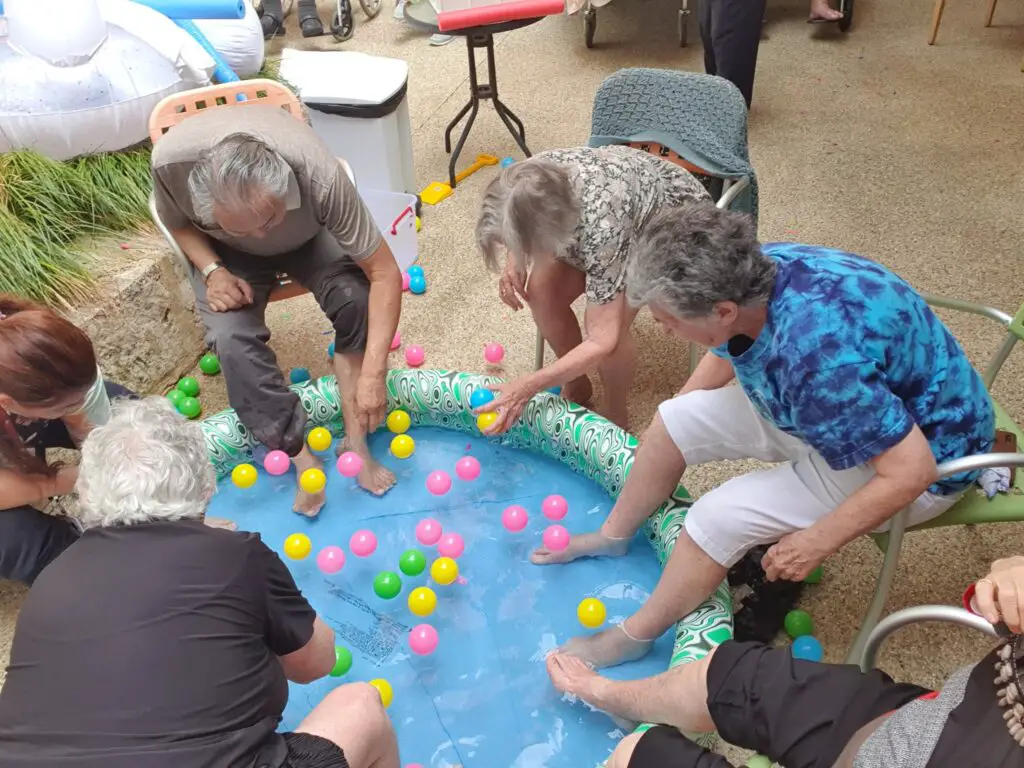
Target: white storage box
[(357, 104), (395, 216)]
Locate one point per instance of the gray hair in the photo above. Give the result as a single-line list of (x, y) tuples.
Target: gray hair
[(531, 210), (235, 173), (147, 464), (689, 259)]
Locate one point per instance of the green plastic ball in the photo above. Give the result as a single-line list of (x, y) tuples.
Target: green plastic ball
[(189, 407), (209, 364), (815, 576), (412, 562), (387, 585), (189, 385), (342, 661), (759, 761), (799, 623), (176, 396)]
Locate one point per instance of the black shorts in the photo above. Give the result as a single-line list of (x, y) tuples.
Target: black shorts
[(798, 713), (308, 751)]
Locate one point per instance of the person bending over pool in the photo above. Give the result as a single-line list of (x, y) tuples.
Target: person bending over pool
[(567, 220), (846, 378), (803, 714), (246, 206), (158, 641)]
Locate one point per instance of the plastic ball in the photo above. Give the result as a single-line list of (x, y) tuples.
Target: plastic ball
[(276, 462), (556, 391), (419, 224), (428, 532), (494, 353), (396, 340), (417, 284), (298, 375), (244, 476), (330, 559), (350, 464), (507, 161), (423, 639), (422, 601), (176, 396), (467, 468), (555, 507), (808, 648), (412, 562), (189, 385), (189, 407), (451, 545), (439, 482), (330, 350), (480, 397), (416, 271), (319, 439), (209, 364), (486, 420), (342, 661), (387, 585), (313, 480), (815, 576), (414, 355), (556, 538), (298, 546), (363, 543), (399, 422), (444, 571), (384, 689), (759, 761), (514, 518), (402, 446), (405, 281), (798, 623), (591, 613)]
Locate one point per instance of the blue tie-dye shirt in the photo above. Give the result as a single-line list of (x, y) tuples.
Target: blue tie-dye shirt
[(852, 357)]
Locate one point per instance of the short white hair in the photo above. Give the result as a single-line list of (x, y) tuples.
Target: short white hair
[(147, 464)]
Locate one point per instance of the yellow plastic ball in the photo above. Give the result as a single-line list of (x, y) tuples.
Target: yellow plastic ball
[(444, 571), (485, 420), (399, 422), (384, 689), (419, 224), (319, 439), (591, 613), (313, 480), (422, 601), (298, 546), (402, 446), (244, 475)]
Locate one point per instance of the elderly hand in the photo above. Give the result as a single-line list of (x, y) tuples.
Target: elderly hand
[(509, 404), (794, 556), (371, 401), (225, 291), (1000, 595), (512, 285)]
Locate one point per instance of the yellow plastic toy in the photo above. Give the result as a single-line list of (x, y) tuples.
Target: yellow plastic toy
[(444, 571), (486, 420), (399, 422), (319, 439), (313, 480), (402, 446), (591, 613), (422, 601), (437, 191), (384, 689), (244, 475), (298, 546)]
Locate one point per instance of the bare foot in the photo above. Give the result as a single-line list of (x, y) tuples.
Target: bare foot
[(578, 391), (572, 675), (822, 11), (374, 477), (220, 522), (608, 648), (307, 504), (594, 544)]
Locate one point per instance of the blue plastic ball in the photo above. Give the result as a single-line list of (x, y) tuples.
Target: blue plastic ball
[(298, 375), (507, 161), (415, 271), (480, 397), (555, 390), (808, 648), (330, 351), (418, 284)]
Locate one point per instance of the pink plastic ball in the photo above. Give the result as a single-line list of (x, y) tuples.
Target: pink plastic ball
[(276, 462), (439, 482), (330, 559), (414, 355), (423, 639), (428, 532), (350, 464), (467, 468), (555, 507), (406, 277), (556, 538), (451, 546), (397, 341), (363, 543), (514, 518), (414, 765), (494, 353)]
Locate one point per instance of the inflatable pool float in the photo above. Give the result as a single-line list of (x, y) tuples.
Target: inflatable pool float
[(578, 438)]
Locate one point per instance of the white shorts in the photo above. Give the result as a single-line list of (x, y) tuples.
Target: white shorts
[(761, 507)]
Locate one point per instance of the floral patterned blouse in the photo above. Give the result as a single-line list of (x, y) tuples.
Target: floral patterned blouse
[(619, 189)]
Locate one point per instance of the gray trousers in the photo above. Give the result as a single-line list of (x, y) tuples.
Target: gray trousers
[(240, 338), (731, 31)]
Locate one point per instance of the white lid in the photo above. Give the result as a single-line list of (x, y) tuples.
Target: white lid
[(343, 77)]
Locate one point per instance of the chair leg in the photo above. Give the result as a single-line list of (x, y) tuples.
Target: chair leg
[(882, 587), (940, 6), (538, 355), (991, 12)]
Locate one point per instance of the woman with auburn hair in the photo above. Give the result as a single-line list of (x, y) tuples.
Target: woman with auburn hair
[(52, 394)]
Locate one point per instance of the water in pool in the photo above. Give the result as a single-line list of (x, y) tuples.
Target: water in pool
[(483, 698)]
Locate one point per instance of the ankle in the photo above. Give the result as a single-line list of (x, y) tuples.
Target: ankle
[(612, 533)]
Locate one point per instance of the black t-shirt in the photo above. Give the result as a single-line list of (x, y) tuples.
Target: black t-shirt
[(152, 646)]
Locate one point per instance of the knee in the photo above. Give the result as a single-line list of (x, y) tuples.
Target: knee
[(347, 306), (235, 339), (546, 291), (624, 752), (361, 698)]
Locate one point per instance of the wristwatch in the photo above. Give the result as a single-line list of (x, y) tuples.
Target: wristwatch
[(209, 269)]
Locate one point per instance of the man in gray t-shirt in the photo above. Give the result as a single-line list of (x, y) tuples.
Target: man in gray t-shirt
[(251, 193)]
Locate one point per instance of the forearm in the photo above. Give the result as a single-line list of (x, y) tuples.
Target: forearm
[(195, 245), (583, 359), (385, 307), (713, 372), (17, 490), (870, 507)]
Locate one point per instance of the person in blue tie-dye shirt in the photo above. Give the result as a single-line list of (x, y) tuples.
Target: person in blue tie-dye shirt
[(847, 380)]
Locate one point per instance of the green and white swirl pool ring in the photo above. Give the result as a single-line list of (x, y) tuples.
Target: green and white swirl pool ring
[(580, 439)]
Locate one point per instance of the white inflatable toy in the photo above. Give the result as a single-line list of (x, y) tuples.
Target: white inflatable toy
[(239, 42)]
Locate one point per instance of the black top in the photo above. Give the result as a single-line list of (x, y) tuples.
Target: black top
[(152, 646)]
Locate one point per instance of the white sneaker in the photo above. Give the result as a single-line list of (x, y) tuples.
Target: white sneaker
[(399, 12), (439, 39)]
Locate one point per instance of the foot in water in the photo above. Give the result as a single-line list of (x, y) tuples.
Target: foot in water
[(822, 11), (608, 648), (308, 504), (594, 544), (374, 476)]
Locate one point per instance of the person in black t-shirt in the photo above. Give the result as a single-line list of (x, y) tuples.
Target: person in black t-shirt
[(155, 641)]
